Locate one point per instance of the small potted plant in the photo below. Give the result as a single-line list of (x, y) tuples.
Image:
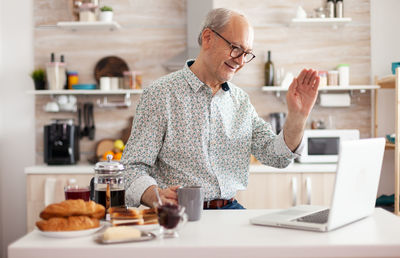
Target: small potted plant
[(38, 76), (106, 14)]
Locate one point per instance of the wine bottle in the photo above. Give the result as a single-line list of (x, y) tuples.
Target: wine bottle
[(269, 71)]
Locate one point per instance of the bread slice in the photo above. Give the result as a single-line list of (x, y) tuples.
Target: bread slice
[(127, 222)]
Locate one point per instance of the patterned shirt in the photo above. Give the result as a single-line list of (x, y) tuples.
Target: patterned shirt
[(183, 135)]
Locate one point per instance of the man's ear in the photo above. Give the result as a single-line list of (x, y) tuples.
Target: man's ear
[(206, 38)]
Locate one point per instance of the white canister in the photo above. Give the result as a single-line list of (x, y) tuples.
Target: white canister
[(344, 74), (114, 83), (105, 83), (55, 73)]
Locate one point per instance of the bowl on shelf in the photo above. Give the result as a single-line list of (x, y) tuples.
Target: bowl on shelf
[(391, 138), (84, 86)]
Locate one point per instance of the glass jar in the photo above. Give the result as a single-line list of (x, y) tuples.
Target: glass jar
[(132, 80), (109, 184), (333, 78), (323, 78), (87, 12)]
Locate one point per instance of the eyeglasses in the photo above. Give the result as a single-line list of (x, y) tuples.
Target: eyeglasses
[(237, 52)]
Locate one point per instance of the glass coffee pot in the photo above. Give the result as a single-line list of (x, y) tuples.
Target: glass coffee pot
[(108, 184)]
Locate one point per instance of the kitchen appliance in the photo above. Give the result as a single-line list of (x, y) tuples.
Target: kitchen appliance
[(108, 185), (322, 146), (277, 121), (61, 142)]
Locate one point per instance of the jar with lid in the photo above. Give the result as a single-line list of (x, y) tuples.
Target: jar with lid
[(73, 78), (87, 12), (333, 78), (323, 78), (108, 184), (344, 74)]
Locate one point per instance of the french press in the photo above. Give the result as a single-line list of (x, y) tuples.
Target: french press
[(108, 184)]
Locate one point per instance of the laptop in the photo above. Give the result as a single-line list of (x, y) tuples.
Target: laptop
[(356, 186)]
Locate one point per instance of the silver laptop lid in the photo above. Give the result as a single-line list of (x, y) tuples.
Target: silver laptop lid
[(357, 180)]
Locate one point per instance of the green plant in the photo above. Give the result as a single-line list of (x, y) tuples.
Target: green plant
[(106, 9), (38, 74)]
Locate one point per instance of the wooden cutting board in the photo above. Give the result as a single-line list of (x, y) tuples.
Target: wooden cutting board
[(110, 66)]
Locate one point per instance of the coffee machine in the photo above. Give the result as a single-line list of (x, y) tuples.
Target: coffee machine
[(61, 142)]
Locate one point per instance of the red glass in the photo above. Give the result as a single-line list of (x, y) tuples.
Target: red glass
[(77, 192)]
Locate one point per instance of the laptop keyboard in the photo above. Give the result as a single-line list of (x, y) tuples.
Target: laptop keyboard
[(320, 217)]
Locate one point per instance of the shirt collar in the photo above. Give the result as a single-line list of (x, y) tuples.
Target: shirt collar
[(194, 81)]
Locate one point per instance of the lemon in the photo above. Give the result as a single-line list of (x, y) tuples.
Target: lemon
[(119, 144)]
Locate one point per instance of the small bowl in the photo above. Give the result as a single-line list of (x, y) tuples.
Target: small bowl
[(391, 138)]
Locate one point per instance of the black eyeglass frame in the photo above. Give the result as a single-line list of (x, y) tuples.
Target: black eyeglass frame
[(233, 47)]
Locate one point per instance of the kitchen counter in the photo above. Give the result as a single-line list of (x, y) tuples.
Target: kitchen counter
[(89, 169), (229, 234)]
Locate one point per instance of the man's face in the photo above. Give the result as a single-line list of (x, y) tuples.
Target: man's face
[(221, 64)]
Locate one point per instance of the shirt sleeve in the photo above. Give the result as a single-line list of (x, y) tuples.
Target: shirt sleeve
[(143, 146), (270, 149)]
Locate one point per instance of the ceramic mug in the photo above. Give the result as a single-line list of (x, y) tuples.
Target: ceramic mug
[(192, 198)]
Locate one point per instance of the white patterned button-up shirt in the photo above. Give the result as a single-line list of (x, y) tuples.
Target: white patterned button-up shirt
[(183, 135)]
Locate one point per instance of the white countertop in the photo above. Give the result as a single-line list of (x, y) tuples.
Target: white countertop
[(229, 234), (89, 169)]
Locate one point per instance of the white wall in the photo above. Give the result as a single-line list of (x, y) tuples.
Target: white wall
[(16, 116), (385, 49)]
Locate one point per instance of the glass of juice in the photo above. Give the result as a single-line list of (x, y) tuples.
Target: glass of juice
[(73, 192)]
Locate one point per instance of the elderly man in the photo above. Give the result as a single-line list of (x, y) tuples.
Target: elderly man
[(194, 127)]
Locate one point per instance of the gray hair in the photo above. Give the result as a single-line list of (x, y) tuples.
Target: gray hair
[(216, 20)]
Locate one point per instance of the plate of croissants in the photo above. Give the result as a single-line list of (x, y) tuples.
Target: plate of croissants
[(71, 218)]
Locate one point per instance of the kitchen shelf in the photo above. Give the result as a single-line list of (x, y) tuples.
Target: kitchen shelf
[(392, 82), (84, 92), (326, 88), (388, 82), (320, 21), (89, 25), (76, 25)]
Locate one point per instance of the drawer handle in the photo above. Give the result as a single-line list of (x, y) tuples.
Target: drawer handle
[(294, 191), (309, 189), (49, 191)]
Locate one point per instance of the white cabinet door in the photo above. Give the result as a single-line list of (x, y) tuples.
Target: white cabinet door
[(283, 190), (271, 191), (317, 188), (36, 194)]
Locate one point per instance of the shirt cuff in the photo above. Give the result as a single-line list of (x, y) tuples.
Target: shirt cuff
[(283, 149), (136, 189)]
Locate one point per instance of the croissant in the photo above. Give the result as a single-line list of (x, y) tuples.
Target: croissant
[(73, 208), (68, 224)]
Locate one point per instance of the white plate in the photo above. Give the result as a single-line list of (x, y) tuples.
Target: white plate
[(70, 234)]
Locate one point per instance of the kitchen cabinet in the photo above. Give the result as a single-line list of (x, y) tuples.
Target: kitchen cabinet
[(283, 190), (42, 188), (392, 82)]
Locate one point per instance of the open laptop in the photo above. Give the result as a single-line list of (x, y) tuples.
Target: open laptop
[(356, 186)]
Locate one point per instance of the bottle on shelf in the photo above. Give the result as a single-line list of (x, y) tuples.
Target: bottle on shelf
[(62, 60), (269, 71), (339, 8), (330, 9)]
